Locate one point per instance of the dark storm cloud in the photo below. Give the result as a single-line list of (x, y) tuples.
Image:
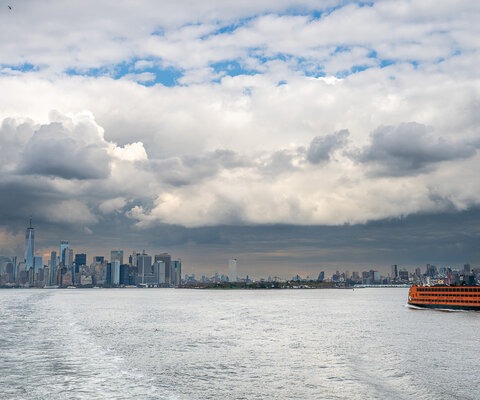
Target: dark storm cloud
[(321, 147), (45, 200), (411, 148), (20, 198), (181, 171), (55, 150), (447, 239)]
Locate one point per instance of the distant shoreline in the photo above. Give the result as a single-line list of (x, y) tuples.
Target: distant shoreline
[(227, 286)]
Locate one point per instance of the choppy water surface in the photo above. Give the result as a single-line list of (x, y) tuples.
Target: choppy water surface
[(198, 344)]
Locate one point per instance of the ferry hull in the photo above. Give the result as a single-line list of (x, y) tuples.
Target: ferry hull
[(446, 306)]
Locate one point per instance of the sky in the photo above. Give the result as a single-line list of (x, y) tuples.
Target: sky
[(295, 136)]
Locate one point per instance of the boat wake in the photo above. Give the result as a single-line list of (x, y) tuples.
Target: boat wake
[(448, 310)]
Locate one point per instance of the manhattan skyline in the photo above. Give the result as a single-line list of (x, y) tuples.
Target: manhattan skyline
[(295, 137)]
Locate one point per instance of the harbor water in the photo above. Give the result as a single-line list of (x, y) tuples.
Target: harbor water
[(233, 344)]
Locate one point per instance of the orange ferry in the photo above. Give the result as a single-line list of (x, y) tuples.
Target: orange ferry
[(447, 297)]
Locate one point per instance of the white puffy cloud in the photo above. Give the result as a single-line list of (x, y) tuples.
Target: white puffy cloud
[(130, 152)]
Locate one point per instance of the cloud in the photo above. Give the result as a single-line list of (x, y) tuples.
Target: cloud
[(278, 162), (411, 148), (246, 113), (116, 204), (321, 147), (14, 134), (70, 148), (130, 152), (193, 169), (68, 211), (333, 37)]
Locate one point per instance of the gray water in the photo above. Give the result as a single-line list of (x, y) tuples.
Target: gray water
[(199, 344)]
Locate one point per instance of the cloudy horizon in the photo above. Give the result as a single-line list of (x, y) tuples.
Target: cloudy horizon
[(297, 136)]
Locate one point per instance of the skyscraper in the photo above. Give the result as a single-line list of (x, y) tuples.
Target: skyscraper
[(144, 265), (232, 270), (116, 255), (176, 272), (53, 267), (167, 259), (29, 246), (395, 272), (37, 263), (115, 265), (80, 259), (64, 253)]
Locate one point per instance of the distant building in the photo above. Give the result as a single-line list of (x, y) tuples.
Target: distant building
[(395, 272), (53, 268), (107, 275), (80, 259), (403, 275), (116, 255), (144, 265), (124, 274), (29, 246), (167, 259), (37, 263), (232, 270), (432, 271), (115, 265), (98, 259), (159, 272), (64, 253), (176, 269)]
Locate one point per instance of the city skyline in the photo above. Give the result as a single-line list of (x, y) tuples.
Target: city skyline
[(345, 235), (296, 137), (142, 270)]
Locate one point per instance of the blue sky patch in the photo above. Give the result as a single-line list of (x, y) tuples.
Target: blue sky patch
[(25, 67), (165, 76), (232, 68)]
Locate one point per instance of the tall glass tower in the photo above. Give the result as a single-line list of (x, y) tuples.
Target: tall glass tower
[(232, 270), (64, 253), (29, 246)]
